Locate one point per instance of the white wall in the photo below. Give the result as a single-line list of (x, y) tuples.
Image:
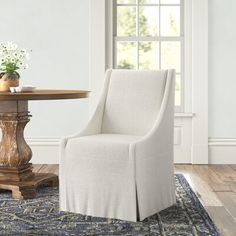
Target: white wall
[(222, 82), (222, 63), (58, 34)]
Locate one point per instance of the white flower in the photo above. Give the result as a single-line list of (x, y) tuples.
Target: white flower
[(3, 67), (14, 46), (23, 51), (10, 53), (20, 55), (9, 46)]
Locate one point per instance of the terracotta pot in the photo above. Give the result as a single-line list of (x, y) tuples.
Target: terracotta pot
[(8, 80)]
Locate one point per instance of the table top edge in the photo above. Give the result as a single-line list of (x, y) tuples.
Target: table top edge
[(45, 95)]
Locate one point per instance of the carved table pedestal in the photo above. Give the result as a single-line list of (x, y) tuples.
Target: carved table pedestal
[(15, 168)]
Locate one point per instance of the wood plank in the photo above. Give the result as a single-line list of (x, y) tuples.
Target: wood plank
[(209, 176), (229, 201), (54, 169), (233, 167), (206, 174), (183, 168), (37, 167), (223, 220), (205, 193), (224, 172), (232, 186), (201, 186)]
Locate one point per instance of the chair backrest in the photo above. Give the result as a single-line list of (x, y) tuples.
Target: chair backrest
[(133, 101)]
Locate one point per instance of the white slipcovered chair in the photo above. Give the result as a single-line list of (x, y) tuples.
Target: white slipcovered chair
[(121, 165)]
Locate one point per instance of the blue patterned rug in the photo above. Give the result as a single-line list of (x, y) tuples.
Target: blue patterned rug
[(40, 216)]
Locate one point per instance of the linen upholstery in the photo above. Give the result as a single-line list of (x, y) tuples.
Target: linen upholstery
[(139, 90), (121, 165)]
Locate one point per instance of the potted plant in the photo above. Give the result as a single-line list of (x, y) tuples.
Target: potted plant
[(12, 58)]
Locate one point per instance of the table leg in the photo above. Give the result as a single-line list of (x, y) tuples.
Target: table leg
[(15, 170)]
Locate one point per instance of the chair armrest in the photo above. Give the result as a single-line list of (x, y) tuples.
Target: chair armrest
[(159, 140), (94, 126), (154, 145)]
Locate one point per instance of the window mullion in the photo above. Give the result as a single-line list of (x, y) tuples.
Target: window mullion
[(158, 39), (159, 9), (147, 4), (150, 38), (137, 33), (114, 28), (182, 45)]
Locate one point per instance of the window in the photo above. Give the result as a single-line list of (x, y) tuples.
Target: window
[(148, 34)]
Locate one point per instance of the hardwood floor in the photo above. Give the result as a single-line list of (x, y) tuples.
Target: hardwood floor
[(215, 185)]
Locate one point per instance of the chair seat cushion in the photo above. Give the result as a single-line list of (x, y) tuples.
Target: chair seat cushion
[(102, 146), (99, 176)]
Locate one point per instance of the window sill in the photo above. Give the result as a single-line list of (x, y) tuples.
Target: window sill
[(184, 115)]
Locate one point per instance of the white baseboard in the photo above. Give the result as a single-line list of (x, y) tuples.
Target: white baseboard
[(222, 151), (45, 150)]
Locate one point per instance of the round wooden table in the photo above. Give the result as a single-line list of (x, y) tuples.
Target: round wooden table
[(15, 168)]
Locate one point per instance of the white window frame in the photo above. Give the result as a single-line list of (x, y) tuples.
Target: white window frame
[(196, 68), (159, 39)]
